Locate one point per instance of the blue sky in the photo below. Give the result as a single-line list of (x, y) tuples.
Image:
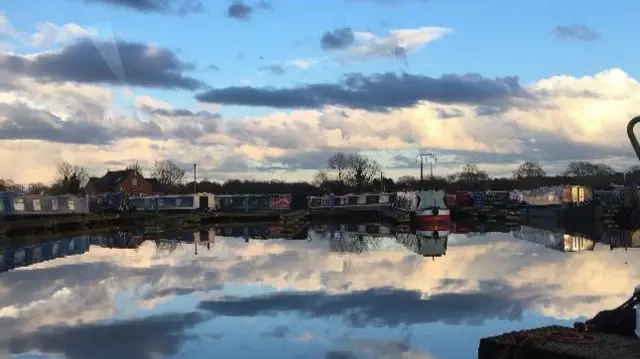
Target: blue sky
[(400, 85), (493, 37)]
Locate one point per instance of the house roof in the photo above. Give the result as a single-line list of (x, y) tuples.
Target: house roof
[(110, 181)]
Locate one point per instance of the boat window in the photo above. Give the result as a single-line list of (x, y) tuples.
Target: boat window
[(19, 256), (54, 204), (37, 205), (72, 205), (178, 201), (18, 204), (1, 205)]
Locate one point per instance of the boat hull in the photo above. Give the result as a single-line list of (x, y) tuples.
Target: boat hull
[(429, 216)]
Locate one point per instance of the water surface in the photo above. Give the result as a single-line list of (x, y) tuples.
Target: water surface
[(339, 292)]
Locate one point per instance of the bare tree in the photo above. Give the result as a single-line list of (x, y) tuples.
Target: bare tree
[(135, 165), (361, 169), (472, 174), (66, 171), (585, 169), (37, 188), (321, 177), (10, 186), (69, 178), (529, 170), (167, 172), (340, 163), (635, 169)]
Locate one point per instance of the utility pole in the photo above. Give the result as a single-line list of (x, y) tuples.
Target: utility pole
[(428, 156), (195, 184)]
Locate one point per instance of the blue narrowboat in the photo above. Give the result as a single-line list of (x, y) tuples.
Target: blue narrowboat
[(168, 203), (15, 204)]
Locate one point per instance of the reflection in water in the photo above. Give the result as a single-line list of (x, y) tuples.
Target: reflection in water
[(349, 291)]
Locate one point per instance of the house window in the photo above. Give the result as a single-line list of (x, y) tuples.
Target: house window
[(72, 205), (1, 205), (37, 205), (134, 181), (18, 204), (54, 204)]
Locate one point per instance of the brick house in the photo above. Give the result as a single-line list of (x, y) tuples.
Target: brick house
[(115, 181)]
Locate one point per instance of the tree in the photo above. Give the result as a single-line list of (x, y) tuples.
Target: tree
[(340, 163), (167, 172), (10, 186), (361, 170), (585, 169), (135, 166), (472, 174), (529, 170), (36, 188), (633, 170), (321, 177), (70, 178), (407, 182)]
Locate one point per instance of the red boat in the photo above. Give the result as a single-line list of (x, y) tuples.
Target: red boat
[(432, 211)]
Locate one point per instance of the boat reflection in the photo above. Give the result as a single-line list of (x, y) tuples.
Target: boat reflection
[(555, 239), (357, 238)]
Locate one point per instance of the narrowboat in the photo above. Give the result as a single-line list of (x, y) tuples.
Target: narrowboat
[(427, 208), (253, 202), (459, 199), (18, 204), (351, 201), (566, 203), (111, 202), (174, 203)]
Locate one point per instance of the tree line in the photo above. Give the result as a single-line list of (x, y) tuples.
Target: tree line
[(348, 173)]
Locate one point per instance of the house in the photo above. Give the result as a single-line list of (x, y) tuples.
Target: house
[(129, 181)]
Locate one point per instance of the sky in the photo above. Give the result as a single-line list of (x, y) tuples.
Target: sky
[(271, 89)]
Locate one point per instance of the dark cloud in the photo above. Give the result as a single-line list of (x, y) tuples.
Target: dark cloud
[(378, 92), (280, 331), (576, 32), (25, 123), (213, 67), (337, 39), (386, 307), (446, 113), (149, 337), (239, 11), (277, 70), (180, 112), (90, 124), (103, 62), (180, 7), (340, 354)]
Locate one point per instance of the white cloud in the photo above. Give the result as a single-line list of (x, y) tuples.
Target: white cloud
[(397, 44), (48, 33), (303, 64)]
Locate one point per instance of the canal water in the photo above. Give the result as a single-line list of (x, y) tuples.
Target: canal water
[(336, 292)]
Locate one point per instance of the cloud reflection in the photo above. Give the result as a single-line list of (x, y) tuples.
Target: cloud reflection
[(382, 285)]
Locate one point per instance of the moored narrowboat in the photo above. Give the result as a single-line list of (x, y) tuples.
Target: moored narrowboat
[(18, 204), (567, 203), (174, 203), (427, 208)]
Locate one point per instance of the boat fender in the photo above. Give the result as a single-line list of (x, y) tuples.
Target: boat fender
[(435, 234), (435, 211)]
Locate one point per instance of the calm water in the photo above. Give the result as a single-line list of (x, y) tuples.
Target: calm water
[(333, 294)]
